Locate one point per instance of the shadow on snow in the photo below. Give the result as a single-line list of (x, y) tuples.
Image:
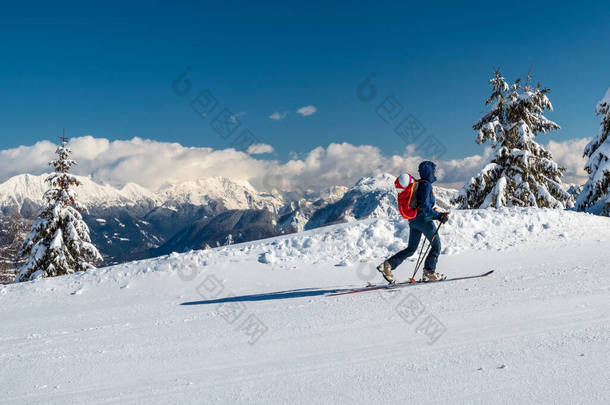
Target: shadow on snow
[(314, 292), (278, 295)]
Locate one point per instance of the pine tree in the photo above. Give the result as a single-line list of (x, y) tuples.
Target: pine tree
[(59, 241), (519, 172), (595, 196)]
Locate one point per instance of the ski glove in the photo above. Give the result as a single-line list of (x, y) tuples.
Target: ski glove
[(444, 217)]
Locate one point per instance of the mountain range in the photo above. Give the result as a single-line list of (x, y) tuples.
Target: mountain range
[(133, 222)]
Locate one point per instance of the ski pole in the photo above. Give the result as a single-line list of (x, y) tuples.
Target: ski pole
[(420, 259), (430, 244), (412, 279)]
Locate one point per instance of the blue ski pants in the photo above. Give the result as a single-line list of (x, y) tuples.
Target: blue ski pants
[(418, 226)]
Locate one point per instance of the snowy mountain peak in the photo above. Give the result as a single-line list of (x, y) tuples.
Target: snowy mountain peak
[(231, 194), (370, 197), (134, 192), (27, 187), (383, 181), (334, 193)]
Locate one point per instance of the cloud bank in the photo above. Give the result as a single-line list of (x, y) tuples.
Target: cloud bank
[(145, 162), (569, 154), (152, 163)]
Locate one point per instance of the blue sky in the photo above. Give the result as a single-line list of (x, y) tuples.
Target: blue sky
[(107, 71)]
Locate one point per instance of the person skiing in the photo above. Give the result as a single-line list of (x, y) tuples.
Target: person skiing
[(421, 224)]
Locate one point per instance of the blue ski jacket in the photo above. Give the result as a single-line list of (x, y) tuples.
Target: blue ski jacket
[(425, 195)]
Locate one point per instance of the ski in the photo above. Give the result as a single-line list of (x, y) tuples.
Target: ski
[(404, 284)]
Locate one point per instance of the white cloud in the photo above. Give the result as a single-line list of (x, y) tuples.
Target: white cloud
[(145, 162), (307, 110), (569, 154), (304, 111), (344, 164), (278, 116), (454, 173), (259, 149), (152, 163), (236, 116)]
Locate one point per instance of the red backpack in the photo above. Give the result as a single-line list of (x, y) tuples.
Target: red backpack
[(407, 198)]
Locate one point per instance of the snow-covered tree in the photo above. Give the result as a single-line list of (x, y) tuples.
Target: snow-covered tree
[(59, 241), (519, 172), (595, 196)]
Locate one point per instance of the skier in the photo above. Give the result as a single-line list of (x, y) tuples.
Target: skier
[(422, 223)]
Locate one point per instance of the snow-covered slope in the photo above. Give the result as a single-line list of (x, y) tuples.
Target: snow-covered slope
[(258, 322)]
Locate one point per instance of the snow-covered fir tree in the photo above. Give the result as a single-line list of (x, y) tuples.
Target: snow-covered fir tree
[(59, 241), (595, 196), (519, 172)]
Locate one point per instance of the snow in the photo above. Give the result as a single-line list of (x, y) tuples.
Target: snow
[(26, 186), (596, 193), (511, 126), (59, 227), (234, 195), (371, 197), (600, 162), (223, 326)]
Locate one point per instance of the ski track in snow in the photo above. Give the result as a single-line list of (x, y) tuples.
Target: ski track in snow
[(536, 331)]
